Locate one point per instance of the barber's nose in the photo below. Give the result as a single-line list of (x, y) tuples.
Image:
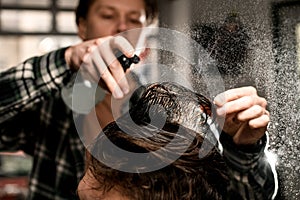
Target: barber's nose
[(122, 25)]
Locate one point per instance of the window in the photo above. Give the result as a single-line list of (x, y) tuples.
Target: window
[(34, 27), (37, 17), (26, 21)]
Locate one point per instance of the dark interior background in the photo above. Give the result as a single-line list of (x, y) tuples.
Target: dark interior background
[(270, 35)]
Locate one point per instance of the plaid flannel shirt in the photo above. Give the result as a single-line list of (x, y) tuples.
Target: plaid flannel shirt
[(34, 118)]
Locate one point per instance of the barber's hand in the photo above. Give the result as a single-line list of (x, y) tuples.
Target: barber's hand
[(246, 117), (98, 60)]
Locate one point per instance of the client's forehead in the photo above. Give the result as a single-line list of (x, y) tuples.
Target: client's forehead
[(88, 189)]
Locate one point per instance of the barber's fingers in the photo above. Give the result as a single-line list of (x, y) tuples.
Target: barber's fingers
[(108, 51), (251, 131), (79, 54), (251, 113), (241, 104), (233, 94), (97, 69), (103, 64), (256, 116), (89, 67), (260, 122), (247, 135), (123, 45)]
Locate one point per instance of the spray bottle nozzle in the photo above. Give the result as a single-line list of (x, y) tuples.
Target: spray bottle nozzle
[(126, 62)]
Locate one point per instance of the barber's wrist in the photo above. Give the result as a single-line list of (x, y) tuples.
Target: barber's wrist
[(242, 158), (68, 54), (256, 147)]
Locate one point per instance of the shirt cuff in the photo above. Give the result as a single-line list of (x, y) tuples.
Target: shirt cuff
[(242, 158), (65, 74)]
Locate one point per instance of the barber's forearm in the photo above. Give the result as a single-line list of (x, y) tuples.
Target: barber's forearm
[(249, 169)]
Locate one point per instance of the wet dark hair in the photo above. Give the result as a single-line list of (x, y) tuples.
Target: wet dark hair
[(187, 178), (151, 9)]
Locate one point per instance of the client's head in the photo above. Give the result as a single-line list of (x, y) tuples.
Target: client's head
[(162, 160)]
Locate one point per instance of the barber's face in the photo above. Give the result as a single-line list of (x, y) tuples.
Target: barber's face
[(110, 17)]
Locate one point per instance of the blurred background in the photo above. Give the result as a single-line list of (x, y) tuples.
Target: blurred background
[(29, 28), (34, 27), (255, 42)]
